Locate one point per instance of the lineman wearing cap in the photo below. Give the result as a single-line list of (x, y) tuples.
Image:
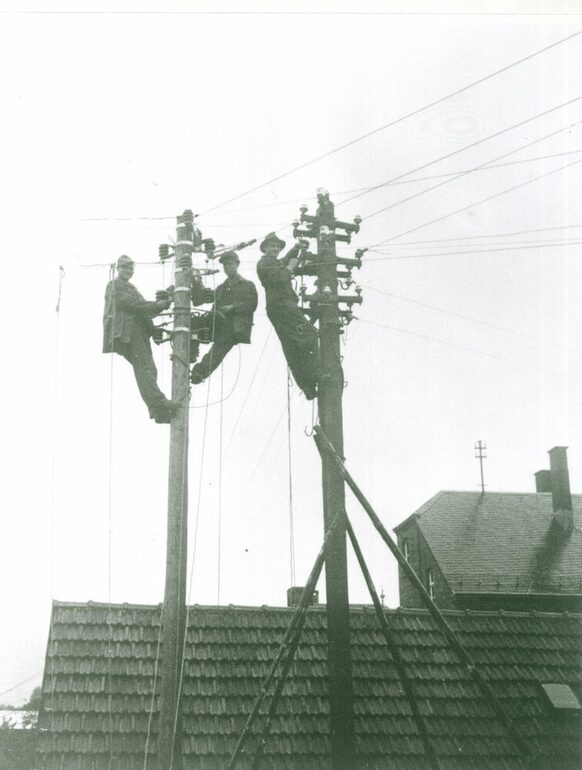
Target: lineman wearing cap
[(230, 319), (127, 330), (297, 335)]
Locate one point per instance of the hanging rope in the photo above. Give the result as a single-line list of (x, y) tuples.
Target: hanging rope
[(289, 454), (109, 536), (54, 436), (153, 698), (219, 486)]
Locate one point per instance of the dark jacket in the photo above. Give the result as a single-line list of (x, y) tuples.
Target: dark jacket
[(126, 314), (277, 280), (242, 295)]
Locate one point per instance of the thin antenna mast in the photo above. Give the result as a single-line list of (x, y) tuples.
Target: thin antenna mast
[(481, 454)]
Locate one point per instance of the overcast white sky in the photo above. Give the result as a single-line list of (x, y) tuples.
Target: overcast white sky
[(125, 117)]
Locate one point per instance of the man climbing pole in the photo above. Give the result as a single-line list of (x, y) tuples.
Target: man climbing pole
[(231, 319), (297, 335), (127, 330)]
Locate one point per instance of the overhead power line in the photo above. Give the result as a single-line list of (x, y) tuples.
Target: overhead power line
[(392, 123), (476, 203), (487, 167), (339, 192), (476, 251), (452, 313), (487, 235), (431, 245), (467, 348), (468, 147)]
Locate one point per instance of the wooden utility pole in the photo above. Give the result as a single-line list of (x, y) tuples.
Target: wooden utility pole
[(325, 306), (174, 610), (330, 392)]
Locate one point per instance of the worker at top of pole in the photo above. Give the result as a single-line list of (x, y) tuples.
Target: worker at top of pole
[(231, 319), (298, 336), (127, 330)]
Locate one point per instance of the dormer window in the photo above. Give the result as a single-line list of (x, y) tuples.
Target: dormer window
[(406, 550), (430, 582)]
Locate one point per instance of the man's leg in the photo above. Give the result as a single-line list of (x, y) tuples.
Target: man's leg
[(299, 342), (146, 374), (213, 359)]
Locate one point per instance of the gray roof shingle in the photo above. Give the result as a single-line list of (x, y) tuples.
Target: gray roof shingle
[(502, 540), (100, 672)]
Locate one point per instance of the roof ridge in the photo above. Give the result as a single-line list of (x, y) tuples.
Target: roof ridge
[(353, 608)]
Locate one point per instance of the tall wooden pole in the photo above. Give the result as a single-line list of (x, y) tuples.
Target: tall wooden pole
[(330, 391), (174, 609)]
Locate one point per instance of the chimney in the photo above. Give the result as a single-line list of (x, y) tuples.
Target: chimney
[(543, 481), (294, 595), (561, 497)]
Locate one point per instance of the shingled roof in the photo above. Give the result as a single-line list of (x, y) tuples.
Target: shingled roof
[(502, 540), (100, 673)]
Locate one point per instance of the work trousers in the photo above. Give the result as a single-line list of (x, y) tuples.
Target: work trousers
[(223, 344), (139, 355), (298, 339)]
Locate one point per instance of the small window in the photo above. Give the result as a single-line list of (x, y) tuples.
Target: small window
[(562, 696), (406, 550), (430, 582)]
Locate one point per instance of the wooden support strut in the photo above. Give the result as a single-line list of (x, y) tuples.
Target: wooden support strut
[(394, 651), (326, 447), (288, 643)]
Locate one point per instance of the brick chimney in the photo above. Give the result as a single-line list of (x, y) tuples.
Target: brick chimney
[(294, 595), (543, 481), (561, 497)]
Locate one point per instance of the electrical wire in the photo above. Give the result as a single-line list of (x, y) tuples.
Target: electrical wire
[(392, 123), (20, 683), (487, 235), (290, 469), (109, 524), (394, 248), (219, 544), (486, 167), (496, 327), (468, 349), (257, 402), (362, 190), (264, 452), (242, 409), (464, 252), (467, 147), (222, 399), (476, 203)]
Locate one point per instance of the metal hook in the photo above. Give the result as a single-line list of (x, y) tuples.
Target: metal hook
[(308, 431)]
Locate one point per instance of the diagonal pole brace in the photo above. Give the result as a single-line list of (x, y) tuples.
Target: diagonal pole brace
[(288, 638), (394, 651), (324, 446)]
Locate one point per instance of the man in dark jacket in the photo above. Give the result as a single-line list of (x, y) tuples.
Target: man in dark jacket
[(297, 335), (127, 329), (231, 319)]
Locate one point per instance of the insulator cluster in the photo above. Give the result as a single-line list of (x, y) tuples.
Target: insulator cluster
[(324, 225)]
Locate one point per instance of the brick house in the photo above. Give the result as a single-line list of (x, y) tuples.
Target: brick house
[(492, 550)]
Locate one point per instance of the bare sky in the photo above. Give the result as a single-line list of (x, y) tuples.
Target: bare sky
[(470, 328)]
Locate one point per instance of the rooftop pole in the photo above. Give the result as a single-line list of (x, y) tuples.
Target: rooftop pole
[(174, 610)]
